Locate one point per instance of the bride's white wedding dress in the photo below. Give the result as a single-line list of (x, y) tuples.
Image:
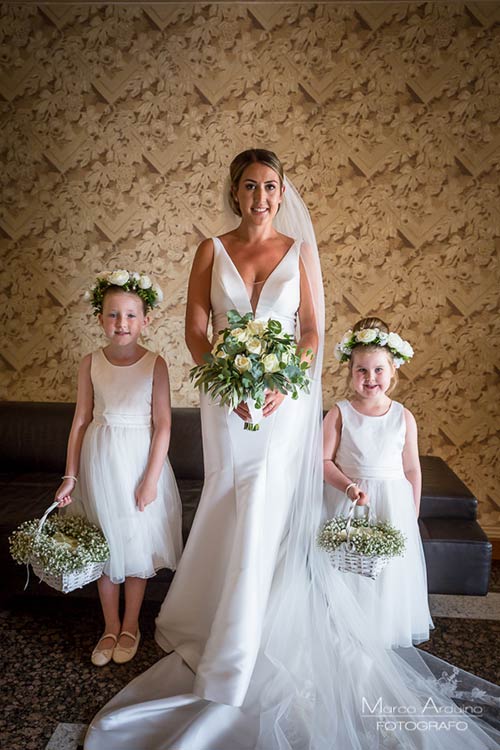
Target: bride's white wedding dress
[(215, 608), (270, 649)]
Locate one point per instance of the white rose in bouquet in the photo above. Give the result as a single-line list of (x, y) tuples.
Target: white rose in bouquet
[(271, 363), (256, 327), (240, 334), (254, 346), (119, 278), (219, 340), (242, 363)]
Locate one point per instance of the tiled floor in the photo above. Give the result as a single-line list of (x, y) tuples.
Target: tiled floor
[(67, 737), (49, 688), (469, 607)]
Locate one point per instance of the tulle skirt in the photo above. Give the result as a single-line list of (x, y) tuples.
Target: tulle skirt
[(397, 600), (113, 461)]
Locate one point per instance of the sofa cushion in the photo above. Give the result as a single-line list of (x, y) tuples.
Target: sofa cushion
[(34, 436), (457, 555), (444, 495)]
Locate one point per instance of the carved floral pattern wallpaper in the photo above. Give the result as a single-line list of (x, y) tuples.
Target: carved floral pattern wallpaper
[(118, 123)]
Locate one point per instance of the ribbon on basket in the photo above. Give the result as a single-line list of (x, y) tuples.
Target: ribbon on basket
[(349, 520), (51, 507)]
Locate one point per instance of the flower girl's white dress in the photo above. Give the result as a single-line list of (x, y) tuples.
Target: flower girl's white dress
[(370, 452), (114, 456)]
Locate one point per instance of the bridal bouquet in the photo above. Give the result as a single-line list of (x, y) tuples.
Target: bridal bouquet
[(249, 358), (358, 546)]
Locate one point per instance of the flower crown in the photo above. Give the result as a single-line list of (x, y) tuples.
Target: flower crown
[(401, 350), (140, 284)]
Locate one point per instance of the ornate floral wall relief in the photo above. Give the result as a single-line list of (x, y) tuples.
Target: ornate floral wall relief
[(118, 123)]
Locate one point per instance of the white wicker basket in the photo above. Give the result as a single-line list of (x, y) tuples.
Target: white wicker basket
[(346, 559), (65, 582), (350, 561)]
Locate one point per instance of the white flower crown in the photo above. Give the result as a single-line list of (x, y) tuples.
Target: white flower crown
[(401, 350), (129, 281)]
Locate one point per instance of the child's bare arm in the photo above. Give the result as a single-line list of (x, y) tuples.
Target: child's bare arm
[(332, 428), (411, 460), (81, 420), (161, 413)]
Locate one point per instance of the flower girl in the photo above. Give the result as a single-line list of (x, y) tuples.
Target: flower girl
[(371, 457), (117, 470)]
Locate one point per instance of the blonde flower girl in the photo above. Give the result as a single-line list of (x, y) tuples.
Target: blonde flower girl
[(117, 452)]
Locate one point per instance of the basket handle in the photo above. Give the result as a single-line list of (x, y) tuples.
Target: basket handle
[(350, 517), (45, 516), (51, 507)]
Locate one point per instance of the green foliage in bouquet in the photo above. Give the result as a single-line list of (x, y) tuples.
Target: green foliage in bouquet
[(65, 544), (249, 358), (372, 540)]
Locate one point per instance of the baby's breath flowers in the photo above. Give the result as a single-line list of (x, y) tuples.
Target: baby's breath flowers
[(378, 539), (128, 281), (248, 358), (401, 350)]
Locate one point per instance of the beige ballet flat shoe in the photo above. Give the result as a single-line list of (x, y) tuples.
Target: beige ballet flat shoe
[(122, 654), (101, 656)]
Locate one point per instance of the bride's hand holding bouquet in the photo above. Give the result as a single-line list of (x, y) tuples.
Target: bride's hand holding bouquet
[(253, 362)]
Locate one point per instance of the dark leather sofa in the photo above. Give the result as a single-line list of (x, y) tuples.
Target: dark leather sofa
[(33, 439)]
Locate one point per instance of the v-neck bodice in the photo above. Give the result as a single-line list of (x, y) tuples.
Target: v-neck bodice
[(279, 296)]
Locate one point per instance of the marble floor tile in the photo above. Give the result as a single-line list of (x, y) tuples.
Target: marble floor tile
[(67, 737), (466, 607)]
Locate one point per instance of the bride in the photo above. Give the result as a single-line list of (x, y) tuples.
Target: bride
[(267, 647)]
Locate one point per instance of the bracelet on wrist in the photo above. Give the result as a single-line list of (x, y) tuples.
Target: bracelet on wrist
[(70, 476), (349, 486)]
